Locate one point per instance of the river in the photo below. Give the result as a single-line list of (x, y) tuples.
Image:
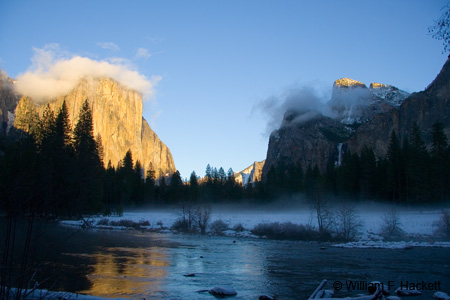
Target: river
[(137, 265)]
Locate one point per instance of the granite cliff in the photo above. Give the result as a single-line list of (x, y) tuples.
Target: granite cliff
[(8, 103), (250, 174), (361, 116), (425, 108), (117, 117)]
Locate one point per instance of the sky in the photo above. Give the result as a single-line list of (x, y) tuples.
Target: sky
[(210, 65)]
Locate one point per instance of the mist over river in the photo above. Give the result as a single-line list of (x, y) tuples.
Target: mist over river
[(137, 265)]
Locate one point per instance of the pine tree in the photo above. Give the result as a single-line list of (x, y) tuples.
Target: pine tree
[(348, 175), (84, 141), (207, 188), (127, 178), (367, 171), (161, 191), (405, 185), (176, 187), (440, 160), (100, 148), (45, 137), (109, 187), (231, 189), (194, 192), (382, 185), (150, 181), (63, 128), (127, 162), (138, 184), (221, 175), (64, 160), (394, 167), (230, 175), (88, 164), (208, 173), (418, 167), (45, 125)]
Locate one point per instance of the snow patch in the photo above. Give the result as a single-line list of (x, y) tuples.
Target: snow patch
[(50, 295), (391, 245)]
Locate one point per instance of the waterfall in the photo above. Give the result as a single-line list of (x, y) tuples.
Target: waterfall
[(339, 158)]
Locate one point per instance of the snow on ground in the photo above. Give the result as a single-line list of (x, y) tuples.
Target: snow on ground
[(391, 245), (41, 294), (414, 222)]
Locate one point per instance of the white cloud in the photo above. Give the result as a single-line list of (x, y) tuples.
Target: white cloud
[(54, 73), (306, 101), (108, 45), (142, 53)]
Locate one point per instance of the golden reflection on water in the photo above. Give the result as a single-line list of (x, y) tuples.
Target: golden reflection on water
[(122, 272)]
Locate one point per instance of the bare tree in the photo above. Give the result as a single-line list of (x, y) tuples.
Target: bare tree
[(202, 217), (391, 228), (441, 29), (192, 216), (325, 218), (186, 219), (348, 223)]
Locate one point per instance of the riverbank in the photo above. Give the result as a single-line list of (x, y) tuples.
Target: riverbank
[(418, 226)]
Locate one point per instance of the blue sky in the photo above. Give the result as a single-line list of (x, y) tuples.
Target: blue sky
[(219, 59)]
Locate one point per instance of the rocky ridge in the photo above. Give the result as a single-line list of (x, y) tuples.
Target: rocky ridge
[(250, 174), (425, 108)]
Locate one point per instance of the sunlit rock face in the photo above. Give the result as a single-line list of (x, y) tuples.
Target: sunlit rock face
[(117, 117), (354, 103), (251, 174)]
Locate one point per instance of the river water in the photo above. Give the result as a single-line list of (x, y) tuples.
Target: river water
[(137, 265)]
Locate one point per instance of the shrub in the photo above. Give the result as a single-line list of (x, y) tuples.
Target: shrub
[(103, 222), (180, 225), (238, 227), (219, 226), (286, 231), (144, 223), (160, 224), (443, 225), (125, 223), (130, 223)]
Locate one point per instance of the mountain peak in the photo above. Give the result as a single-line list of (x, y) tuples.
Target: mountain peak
[(348, 82), (376, 85)]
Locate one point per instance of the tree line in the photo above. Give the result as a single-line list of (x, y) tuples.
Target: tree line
[(409, 174), (54, 170), (49, 169)]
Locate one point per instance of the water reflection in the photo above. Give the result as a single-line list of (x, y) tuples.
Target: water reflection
[(127, 272), (151, 266)]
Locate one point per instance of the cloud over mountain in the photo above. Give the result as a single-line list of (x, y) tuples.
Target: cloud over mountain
[(54, 73), (306, 101)]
